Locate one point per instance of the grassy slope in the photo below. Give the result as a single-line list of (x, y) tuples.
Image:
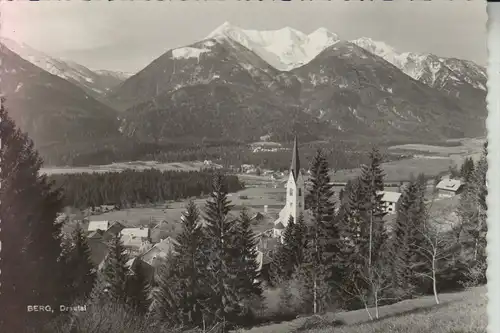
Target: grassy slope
[(462, 312)]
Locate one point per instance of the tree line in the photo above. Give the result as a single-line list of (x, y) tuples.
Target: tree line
[(132, 187), (348, 256), (345, 257)]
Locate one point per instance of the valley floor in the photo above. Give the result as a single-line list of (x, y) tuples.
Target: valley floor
[(461, 312)]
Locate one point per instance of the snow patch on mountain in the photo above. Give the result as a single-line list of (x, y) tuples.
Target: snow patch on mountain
[(284, 49), (188, 52)]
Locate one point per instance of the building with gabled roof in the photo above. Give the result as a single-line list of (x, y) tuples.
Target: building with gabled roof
[(390, 200), (449, 187), (160, 250), (98, 225)]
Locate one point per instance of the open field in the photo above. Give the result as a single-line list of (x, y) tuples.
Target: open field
[(462, 312), (430, 160), (253, 198), (402, 170), (117, 167)]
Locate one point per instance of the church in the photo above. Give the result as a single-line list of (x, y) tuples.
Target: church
[(295, 193)]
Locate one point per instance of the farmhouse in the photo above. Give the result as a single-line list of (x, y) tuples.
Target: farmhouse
[(98, 225), (390, 200), (449, 188)]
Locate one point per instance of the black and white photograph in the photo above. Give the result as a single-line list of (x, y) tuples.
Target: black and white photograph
[(251, 167)]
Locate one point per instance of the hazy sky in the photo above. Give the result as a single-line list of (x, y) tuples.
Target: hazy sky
[(129, 35)]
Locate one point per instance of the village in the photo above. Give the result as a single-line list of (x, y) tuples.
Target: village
[(149, 244)]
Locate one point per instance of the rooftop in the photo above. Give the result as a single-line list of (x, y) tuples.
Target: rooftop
[(449, 185), (98, 225), (388, 196)]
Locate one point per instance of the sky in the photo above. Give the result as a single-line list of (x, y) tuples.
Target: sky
[(127, 36)]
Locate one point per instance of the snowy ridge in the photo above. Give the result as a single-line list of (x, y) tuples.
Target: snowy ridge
[(426, 67), (284, 49), (65, 69)]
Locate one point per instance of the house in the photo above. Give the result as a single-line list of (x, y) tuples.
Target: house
[(390, 200), (114, 229), (159, 251), (141, 233), (447, 188), (135, 245), (137, 263), (98, 225)]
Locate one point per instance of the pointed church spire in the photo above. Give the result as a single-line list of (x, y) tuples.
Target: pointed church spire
[(295, 167)]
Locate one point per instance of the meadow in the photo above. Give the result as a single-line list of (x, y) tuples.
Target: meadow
[(461, 312)]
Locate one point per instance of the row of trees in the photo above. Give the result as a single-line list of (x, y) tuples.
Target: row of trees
[(351, 256), (210, 277), (133, 187)]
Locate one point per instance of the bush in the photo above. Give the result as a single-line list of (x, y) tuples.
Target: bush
[(109, 318)]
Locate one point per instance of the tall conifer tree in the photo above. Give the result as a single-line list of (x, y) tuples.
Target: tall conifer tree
[(407, 240), (115, 271), (80, 272), (31, 241), (223, 303), (324, 235), (248, 283), (191, 266)]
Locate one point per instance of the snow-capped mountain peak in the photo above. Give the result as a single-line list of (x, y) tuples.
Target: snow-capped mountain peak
[(378, 48), (93, 82), (284, 49)]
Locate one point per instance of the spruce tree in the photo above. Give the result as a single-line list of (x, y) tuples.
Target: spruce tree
[(406, 240), (474, 226), (371, 233), (372, 211), (299, 241), (191, 266), (467, 170), (166, 295), (223, 303), (324, 235), (351, 261), (79, 270), (283, 264), (30, 238), (138, 287), (115, 271), (248, 284)]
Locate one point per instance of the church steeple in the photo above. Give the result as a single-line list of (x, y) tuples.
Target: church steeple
[(295, 167)]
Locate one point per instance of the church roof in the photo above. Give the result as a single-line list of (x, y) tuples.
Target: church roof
[(295, 167)]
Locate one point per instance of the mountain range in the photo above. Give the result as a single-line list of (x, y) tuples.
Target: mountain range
[(239, 85)]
